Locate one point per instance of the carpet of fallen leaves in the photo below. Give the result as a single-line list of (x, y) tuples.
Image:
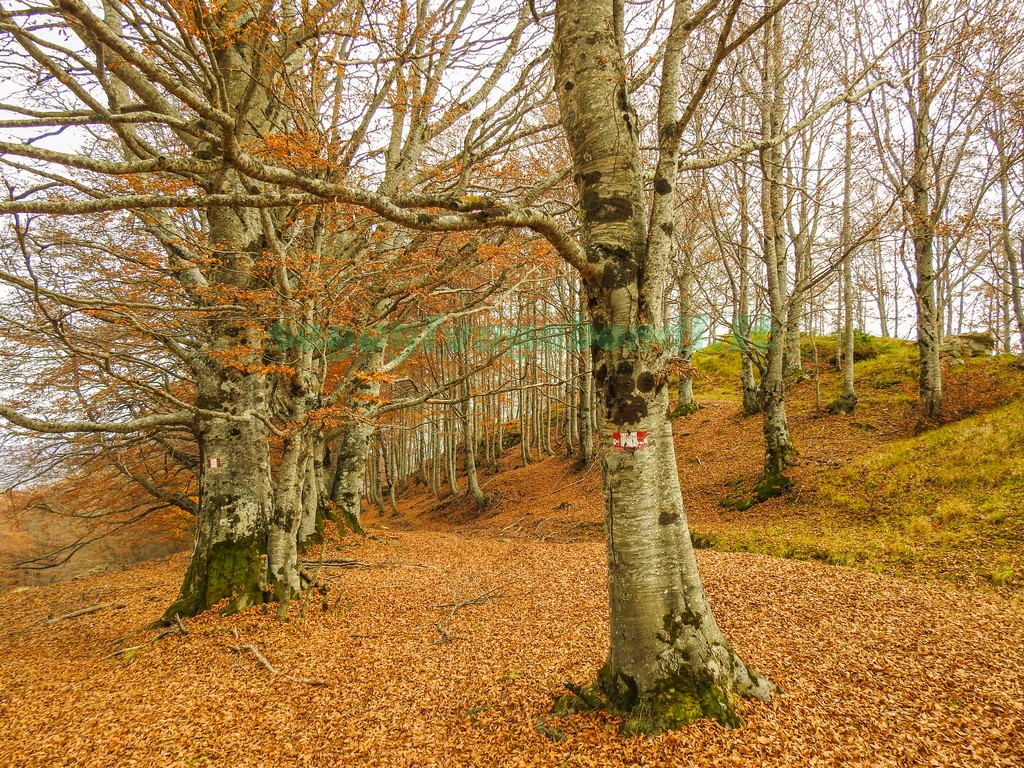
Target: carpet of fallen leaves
[(451, 651), (874, 671)]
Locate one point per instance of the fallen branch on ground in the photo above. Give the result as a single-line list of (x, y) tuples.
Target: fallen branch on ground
[(159, 635), (445, 637), (513, 525), (481, 598), (342, 563)]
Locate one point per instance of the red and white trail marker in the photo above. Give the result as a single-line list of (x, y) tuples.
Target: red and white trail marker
[(214, 463), (629, 441)]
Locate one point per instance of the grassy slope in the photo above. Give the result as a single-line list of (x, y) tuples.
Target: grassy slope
[(944, 504)]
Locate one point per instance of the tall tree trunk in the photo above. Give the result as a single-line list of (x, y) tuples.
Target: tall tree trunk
[(847, 401), (314, 496), (469, 435), (685, 404), (922, 227), (1012, 258), (742, 321), (779, 449), (571, 356), (585, 410), (668, 663)]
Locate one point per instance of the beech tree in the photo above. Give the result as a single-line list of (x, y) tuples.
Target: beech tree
[(668, 663), (924, 135)]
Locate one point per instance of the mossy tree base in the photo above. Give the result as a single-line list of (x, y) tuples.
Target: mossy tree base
[(684, 409), (846, 403), (230, 570), (768, 488), (680, 700)]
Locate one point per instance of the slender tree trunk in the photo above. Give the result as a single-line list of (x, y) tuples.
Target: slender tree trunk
[(469, 435), (571, 356), (923, 231), (793, 364), (779, 449), (350, 451), (451, 459), (584, 411), (848, 400), (685, 404), (314, 496), (742, 322), (1012, 258)]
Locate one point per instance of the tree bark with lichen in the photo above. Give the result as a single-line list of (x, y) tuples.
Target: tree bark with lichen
[(668, 662)]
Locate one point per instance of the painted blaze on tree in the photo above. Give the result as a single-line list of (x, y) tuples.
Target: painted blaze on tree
[(668, 662)]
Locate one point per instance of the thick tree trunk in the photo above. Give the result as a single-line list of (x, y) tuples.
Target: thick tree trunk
[(668, 663), (230, 558)]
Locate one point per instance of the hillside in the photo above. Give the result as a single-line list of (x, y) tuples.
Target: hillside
[(870, 491), (445, 640)]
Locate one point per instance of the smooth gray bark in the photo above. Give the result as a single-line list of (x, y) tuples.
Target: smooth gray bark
[(668, 663)]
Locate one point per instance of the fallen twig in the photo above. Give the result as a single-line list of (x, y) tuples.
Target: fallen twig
[(343, 563), (259, 656), (84, 611), (162, 633), (481, 598), (317, 681), (513, 525)]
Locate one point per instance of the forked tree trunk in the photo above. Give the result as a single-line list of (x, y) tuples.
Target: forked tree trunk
[(668, 663)]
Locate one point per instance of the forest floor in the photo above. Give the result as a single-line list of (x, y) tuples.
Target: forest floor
[(448, 644)]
